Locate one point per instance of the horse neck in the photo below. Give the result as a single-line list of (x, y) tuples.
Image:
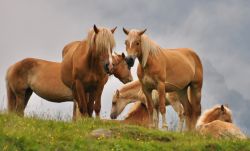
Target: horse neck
[(149, 51), (208, 117)]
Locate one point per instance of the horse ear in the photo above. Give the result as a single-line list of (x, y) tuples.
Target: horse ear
[(222, 108), (142, 32), (96, 29), (125, 31), (123, 56), (113, 30), (117, 93)]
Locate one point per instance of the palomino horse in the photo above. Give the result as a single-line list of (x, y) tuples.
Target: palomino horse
[(132, 92), (44, 78), (85, 69), (217, 122), (166, 70)]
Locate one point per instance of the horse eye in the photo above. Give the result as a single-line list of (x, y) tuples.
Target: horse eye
[(113, 103), (137, 43)]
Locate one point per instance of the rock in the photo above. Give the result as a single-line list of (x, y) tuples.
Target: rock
[(101, 133)]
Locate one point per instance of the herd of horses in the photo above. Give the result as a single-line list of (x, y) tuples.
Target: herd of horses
[(165, 77)]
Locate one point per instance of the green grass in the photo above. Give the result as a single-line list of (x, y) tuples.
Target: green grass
[(18, 133)]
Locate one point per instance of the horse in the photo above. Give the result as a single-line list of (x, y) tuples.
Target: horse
[(132, 92), (85, 70), (44, 79), (166, 70), (218, 123)]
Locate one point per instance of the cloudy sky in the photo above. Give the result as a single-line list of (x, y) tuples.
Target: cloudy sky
[(217, 30)]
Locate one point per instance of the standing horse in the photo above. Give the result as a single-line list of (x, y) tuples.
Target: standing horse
[(218, 122), (85, 69), (132, 92), (44, 78), (166, 70)]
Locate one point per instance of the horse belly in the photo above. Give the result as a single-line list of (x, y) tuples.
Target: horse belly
[(50, 87)]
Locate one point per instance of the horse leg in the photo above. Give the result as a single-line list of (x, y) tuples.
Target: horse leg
[(11, 99), (99, 91), (80, 97), (182, 95), (155, 117), (20, 103), (195, 100), (28, 94), (91, 102), (162, 105), (172, 98), (148, 95)]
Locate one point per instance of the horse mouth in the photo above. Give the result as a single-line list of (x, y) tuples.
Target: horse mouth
[(113, 116)]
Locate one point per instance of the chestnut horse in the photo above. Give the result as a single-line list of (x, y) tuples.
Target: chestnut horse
[(84, 70), (132, 92), (218, 123), (44, 78), (29, 75), (166, 70)]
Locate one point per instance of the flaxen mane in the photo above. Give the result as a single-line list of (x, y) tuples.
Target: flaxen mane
[(102, 41), (210, 114), (148, 46)]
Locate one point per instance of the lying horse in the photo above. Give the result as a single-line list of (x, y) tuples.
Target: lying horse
[(217, 122), (44, 78), (132, 92), (166, 71)]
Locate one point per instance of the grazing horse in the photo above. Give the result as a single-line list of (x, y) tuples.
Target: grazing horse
[(132, 92), (85, 69), (44, 78), (218, 123), (166, 70)]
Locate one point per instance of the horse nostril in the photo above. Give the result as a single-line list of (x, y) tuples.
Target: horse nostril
[(112, 116), (130, 61), (106, 67)]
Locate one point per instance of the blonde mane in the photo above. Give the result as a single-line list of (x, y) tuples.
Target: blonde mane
[(148, 46), (102, 42), (132, 89), (207, 114)]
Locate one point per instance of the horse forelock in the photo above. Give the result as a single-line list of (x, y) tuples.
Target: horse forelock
[(212, 112), (103, 41)]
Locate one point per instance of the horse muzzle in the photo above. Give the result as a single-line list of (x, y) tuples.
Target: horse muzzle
[(108, 68), (130, 61), (113, 116)]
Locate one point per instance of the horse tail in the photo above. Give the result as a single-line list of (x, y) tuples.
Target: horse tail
[(10, 93)]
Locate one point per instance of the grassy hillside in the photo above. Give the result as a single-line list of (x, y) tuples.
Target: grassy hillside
[(18, 133)]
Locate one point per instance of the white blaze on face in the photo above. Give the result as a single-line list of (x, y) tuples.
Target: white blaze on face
[(110, 59)]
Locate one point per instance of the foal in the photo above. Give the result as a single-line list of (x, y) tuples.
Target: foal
[(217, 122), (132, 92)]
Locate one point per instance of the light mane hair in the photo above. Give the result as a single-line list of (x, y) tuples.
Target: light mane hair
[(148, 46), (103, 41), (132, 89), (207, 114)]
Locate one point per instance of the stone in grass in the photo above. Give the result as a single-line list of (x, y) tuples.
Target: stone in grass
[(101, 133)]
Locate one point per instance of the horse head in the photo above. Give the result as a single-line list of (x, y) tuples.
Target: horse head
[(121, 70), (133, 45), (102, 41)]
